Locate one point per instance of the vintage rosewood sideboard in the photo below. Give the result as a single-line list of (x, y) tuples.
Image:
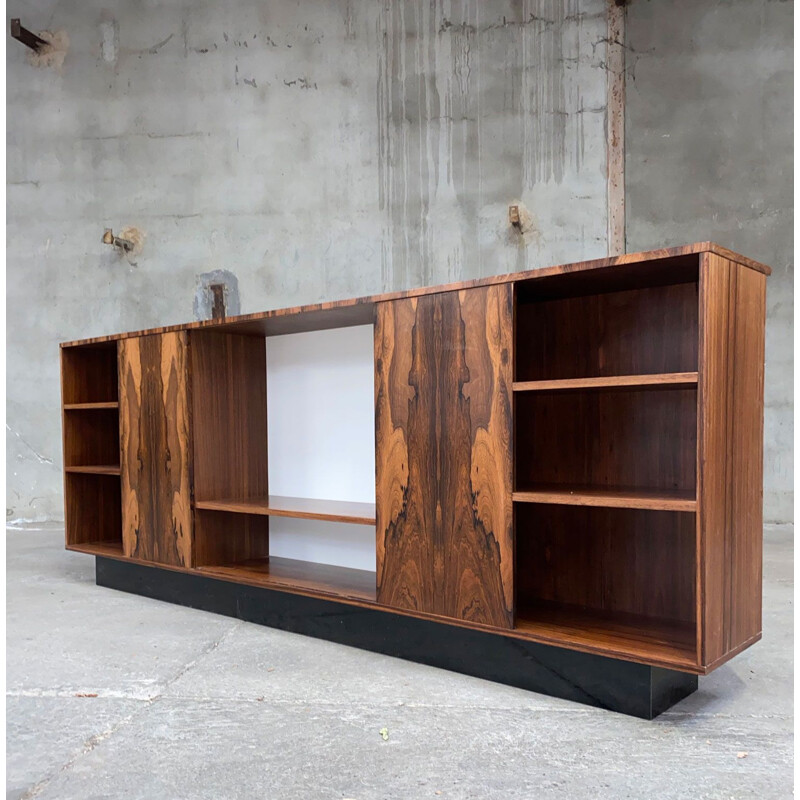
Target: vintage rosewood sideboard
[(568, 491)]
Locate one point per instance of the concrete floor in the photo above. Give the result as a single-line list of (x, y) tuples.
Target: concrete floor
[(113, 695)]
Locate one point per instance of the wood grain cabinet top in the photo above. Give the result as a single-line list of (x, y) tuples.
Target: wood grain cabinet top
[(571, 455)]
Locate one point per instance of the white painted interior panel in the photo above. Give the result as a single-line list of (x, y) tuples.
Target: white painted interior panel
[(320, 400)]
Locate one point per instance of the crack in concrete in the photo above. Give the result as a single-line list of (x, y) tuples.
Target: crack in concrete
[(90, 744), (200, 656), (39, 457), (147, 702)]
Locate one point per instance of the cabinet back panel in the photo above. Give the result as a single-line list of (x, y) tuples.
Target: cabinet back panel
[(639, 331), (607, 559), (229, 415), (93, 509), (91, 438), (89, 373), (616, 439)]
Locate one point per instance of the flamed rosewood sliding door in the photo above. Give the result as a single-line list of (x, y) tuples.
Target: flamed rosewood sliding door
[(443, 454), (154, 430)]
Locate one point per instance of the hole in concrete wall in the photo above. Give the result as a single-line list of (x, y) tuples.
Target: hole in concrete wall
[(213, 288)]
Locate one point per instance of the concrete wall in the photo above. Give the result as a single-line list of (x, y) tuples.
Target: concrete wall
[(325, 149), (314, 150), (710, 156)]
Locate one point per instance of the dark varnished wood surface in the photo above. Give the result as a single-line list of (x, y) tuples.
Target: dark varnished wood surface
[(633, 332), (617, 497), (90, 406), (229, 415), (607, 440), (319, 316), (665, 641), (89, 374), (96, 470), (607, 560), (154, 425), (670, 380), (227, 538), (297, 507), (91, 437), (646, 587), (109, 549), (92, 509), (286, 573), (443, 454), (730, 457)]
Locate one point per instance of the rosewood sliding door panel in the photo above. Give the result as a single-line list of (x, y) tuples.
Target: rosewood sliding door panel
[(154, 430), (443, 454)]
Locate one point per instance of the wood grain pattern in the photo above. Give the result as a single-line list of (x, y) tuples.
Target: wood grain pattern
[(607, 440), (360, 310), (670, 380), (607, 560), (155, 435), (96, 470), (610, 498), (222, 538), (90, 406), (443, 454), (91, 438), (92, 507), (609, 557), (89, 374), (297, 508), (663, 642), (730, 456), (631, 332), (292, 575), (229, 413)]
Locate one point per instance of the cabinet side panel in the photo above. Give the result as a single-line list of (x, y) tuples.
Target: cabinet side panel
[(713, 419), (443, 448), (154, 434), (730, 455), (746, 454)]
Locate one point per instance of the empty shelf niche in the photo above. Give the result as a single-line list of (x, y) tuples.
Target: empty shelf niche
[(617, 579)]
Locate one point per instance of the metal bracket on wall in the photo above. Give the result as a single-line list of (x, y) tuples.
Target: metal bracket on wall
[(28, 38)]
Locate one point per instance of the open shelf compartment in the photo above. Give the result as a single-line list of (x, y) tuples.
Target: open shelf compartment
[(235, 546), (233, 504), (630, 448), (89, 374), (93, 511), (620, 580), (623, 322)]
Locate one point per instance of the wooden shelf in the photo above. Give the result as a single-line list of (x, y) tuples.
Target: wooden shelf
[(299, 507), (625, 635), (111, 404), (95, 470), (105, 548), (668, 380), (655, 500), (303, 577)]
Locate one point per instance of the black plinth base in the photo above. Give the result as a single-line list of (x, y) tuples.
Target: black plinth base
[(622, 686)]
